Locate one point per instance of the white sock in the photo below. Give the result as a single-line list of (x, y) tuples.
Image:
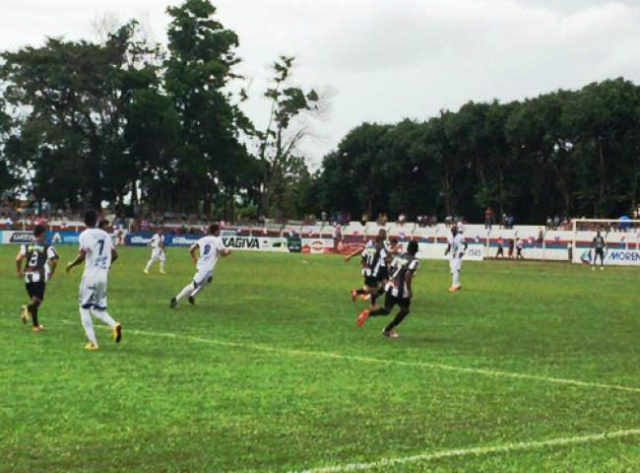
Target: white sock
[(188, 289), (149, 264), (87, 323), (104, 316), (161, 265), (197, 290), (456, 278)]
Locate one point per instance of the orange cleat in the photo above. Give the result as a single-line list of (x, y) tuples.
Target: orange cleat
[(362, 318)]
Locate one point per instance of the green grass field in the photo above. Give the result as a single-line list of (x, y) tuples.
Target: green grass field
[(522, 371)]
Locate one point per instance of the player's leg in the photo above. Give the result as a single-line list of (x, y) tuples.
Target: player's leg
[(86, 302), (389, 303), (163, 260), (601, 259), (151, 262), (389, 330), (99, 309), (200, 287), (189, 288)]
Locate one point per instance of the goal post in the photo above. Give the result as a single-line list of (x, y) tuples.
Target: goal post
[(622, 237)]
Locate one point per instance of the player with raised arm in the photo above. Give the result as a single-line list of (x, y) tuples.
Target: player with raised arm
[(205, 254), (399, 290), (455, 249), (599, 246), (41, 261), (375, 258), (97, 253), (157, 244)]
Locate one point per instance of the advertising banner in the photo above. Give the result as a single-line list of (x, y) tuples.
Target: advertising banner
[(611, 257), (17, 237), (63, 237)]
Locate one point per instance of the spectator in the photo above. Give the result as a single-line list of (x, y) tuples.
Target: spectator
[(365, 219), (520, 247), (488, 218), (511, 248), (402, 219), (500, 252), (570, 252), (337, 238)]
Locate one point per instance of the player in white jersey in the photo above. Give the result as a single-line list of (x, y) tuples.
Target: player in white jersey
[(97, 253), (205, 254), (157, 251), (455, 249)]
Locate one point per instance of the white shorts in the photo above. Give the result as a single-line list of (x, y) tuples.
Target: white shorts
[(203, 277), (158, 254), (455, 264), (93, 291)]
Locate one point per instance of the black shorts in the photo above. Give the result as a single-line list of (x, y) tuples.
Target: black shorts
[(383, 274), (36, 289), (390, 301), (371, 281), (600, 252)]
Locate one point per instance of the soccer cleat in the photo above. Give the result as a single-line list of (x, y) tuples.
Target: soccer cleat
[(192, 301), (145, 271), (354, 295), (91, 347), (390, 334), (593, 268), (455, 288), (601, 268), (162, 271), (362, 318), (117, 333), (174, 303), (38, 328), (24, 314)]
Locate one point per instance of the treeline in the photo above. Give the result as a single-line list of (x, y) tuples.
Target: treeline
[(128, 123), (568, 153)]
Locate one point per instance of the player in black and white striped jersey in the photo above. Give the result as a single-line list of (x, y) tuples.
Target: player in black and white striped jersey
[(375, 260), (399, 290), (41, 261)]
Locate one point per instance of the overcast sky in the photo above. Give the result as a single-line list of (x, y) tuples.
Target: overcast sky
[(387, 59)]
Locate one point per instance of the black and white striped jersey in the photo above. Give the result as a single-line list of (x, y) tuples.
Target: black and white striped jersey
[(374, 259), (401, 268)]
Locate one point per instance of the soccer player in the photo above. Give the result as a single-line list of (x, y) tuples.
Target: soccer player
[(205, 254), (455, 249), (41, 261), (97, 252), (399, 290), (375, 258), (157, 251), (599, 245), (500, 252)]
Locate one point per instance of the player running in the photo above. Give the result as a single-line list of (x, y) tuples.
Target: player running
[(455, 249), (599, 246), (375, 258), (399, 290), (41, 261), (157, 244), (205, 254), (97, 252)]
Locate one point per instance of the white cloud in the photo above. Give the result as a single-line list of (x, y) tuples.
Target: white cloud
[(389, 59)]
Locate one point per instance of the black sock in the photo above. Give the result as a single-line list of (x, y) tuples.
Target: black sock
[(361, 292), (380, 311), (380, 291), (396, 321), (33, 310), (374, 297)]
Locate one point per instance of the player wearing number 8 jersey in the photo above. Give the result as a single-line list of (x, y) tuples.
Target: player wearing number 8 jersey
[(205, 254), (97, 252)]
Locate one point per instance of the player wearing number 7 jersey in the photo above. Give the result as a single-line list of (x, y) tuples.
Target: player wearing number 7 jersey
[(205, 254), (97, 252)]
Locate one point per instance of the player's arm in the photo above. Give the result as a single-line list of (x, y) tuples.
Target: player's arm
[(79, 259), (53, 260), (193, 251), (409, 281), (448, 250), (225, 252), (465, 246), (19, 260), (355, 253), (114, 255)]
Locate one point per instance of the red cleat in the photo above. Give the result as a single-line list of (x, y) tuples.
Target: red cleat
[(362, 318)]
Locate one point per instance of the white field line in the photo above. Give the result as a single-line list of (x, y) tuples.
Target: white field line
[(363, 359), (476, 451)]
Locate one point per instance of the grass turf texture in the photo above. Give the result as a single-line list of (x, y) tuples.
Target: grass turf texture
[(163, 403)]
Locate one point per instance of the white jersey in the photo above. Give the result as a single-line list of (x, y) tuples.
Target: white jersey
[(97, 246), (157, 241), (211, 248), (457, 246)]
